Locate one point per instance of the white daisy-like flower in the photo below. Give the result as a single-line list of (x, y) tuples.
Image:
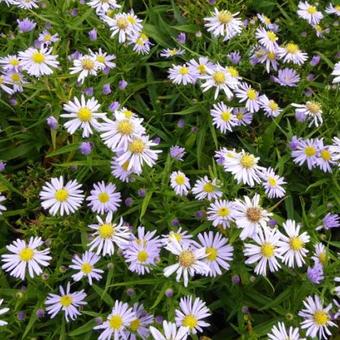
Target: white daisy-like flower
[(219, 252), (10, 62), (280, 332), (292, 246), (141, 43), (316, 318), (219, 78), (102, 6), (121, 172), (26, 4), (117, 321), (191, 314), (38, 62), (181, 74), (170, 332), (244, 168), (2, 207), (57, 197), (269, 58), (139, 152), (180, 183), (221, 213), (250, 216), (107, 234), (292, 53), (47, 38), (83, 114), (3, 85), (104, 198), (178, 235), (205, 188), (3, 311), (330, 9), (268, 39), (84, 65), (86, 267), (272, 184), (269, 106), (16, 80), (190, 261), (103, 59), (309, 12), (311, 111), (25, 257), (247, 94), (171, 52), (117, 134), (264, 252), (201, 66), (223, 23), (223, 117), (67, 302), (320, 254)]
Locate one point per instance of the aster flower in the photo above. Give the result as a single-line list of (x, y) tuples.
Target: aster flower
[(307, 151), (192, 314), (309, 12), (170, 332), (67, 302), (47, 38), (86, 65), (264, 56), (201, 66), (315, 274), (280, 332), (172, 52), (335, 149), (177, 152), (247, 94), (104, 60), (292, 53), (268, 39), (190, 261), (223, 23), (26, 4), (86, 267), (311, 111), (82, 114), (24, 256), (272, 184), (316, 318), (3, 311), (120, 172), (117, 322), (320, 254), (10, 62), (219, 252), (292, 246), (141, 43), (103, 6), (57, 197), (243, 117), (250, 216), (38, 62), (287, 77), (326, 158), (26, 25), (104, 198), (264, 252), (330, 9), (181, 74), (108, 234), (2, 207), (180, 236), (330, 221), (222, 117), (16, 80), (221, 213), (269, 106), (180, 183), (264, 19), (205, 188)]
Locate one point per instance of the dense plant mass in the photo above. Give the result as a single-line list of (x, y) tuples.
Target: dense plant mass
[(169, 169)]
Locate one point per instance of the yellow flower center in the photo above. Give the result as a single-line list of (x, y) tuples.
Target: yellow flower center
[(254, 214), (66, 300), (201, 69), (122, 23), (173, 52), (323, 258), (212, 253), (208, 187), (14, 62), (189, 321), (247, 161), (272, 181), (86, 268), (131, 19), (125, 127), (177, 236), (47, 37), (251, 94), (311, 10), (186, 258), (267, 250), (296, 243), (310, 151), (26, 254), (224, 17), (128, 113), (134, 325), (273, 105), (87, 64), (38, 57), (239, 116), (325, 155), (106, 230), (15, 77), (180, 179), (61, 195), (320, 317), (271, 55), (223, 212), (271, 36), (219, 77), (226, 116), (313, 107), (292, 48), (116, 322), (142, 256), (233, 72), (125, 166), (337, 7), (183, 70), (84, 114), (137, 146), (318, 28), (266, 20), (100, 59), (103, 197)]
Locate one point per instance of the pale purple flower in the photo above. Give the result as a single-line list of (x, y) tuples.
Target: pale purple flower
[(52, 122), (93, 34), (181, 38), (234, 57), (243, 116), (330, 221), (85, 148), (308, 152), (26, 25), (294, 143), (177, 152), (181, 123), (114, 106), (315, 60), (122, 84), (106, 89), (2, 166), (315, 273), (89, 91), (287, 77)]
